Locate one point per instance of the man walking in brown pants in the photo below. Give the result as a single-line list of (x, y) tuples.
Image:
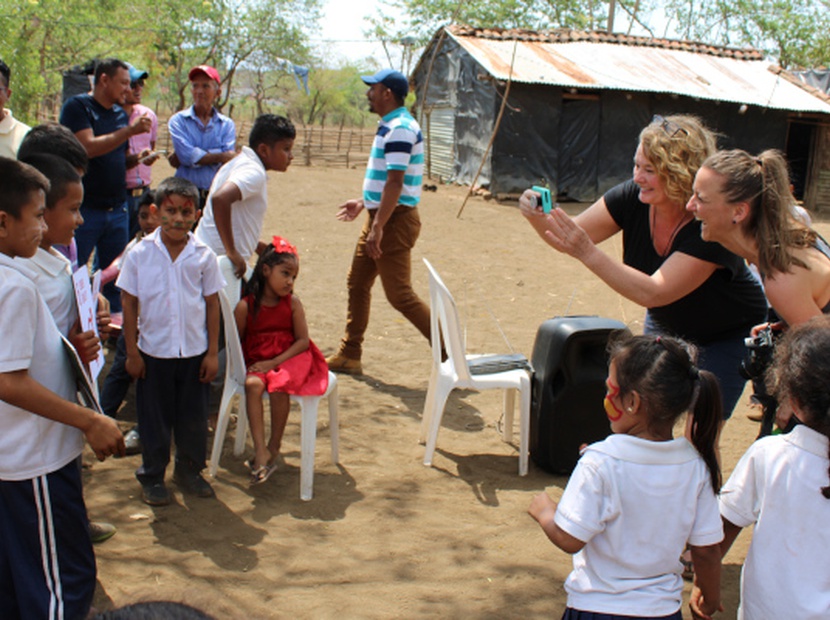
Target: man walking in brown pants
[(391, 192)]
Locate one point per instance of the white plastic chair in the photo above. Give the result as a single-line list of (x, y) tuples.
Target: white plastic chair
[(235, 384), (455, 372)]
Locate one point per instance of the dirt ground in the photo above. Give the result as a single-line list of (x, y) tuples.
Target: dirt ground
[(384, 536)]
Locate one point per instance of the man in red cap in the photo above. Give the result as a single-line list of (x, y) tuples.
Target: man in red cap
[(203, 139)]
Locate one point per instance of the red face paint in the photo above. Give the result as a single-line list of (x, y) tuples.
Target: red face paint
[(613, 412)]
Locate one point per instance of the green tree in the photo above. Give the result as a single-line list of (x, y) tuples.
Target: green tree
[(791, 31), (423, 17), (229, 33), (794, 32), (406, 25), (43, 38), (337, 96)]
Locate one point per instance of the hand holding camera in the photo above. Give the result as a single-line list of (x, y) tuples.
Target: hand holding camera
[(544, 198)]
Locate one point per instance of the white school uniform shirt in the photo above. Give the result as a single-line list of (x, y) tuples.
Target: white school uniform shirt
[(776, 485), (247, 172), (172, 314), (52, 274), (31, 445), (636, 503)]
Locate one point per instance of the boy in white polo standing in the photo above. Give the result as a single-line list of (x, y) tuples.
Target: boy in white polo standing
[(171, 283)]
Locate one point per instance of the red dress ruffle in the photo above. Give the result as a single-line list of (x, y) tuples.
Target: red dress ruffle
[(270, 333)]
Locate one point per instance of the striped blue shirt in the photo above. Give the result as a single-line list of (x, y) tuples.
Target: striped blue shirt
[(398, 145)]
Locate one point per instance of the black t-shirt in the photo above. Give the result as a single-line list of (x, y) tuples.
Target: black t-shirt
[(726, 305), (105, 184)]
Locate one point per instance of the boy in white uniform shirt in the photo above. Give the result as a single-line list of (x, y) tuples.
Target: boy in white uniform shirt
[(171, 283), (47, 566), (53, 271), (238, 199)]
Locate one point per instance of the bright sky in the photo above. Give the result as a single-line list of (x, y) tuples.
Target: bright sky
[(342, 32)]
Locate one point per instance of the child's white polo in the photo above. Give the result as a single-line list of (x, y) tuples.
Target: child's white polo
[(52, 274), (247, 172), (31, 445), (636, 503), (777, 486), (171, 295)]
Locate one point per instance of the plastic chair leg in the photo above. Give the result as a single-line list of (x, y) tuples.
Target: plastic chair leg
[(524, 427), (509, 407), (241, 426), (308, 440), (221, 427), (439, 401), (429, 409), (334, 424)]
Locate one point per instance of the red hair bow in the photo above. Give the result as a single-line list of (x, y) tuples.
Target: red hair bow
[(283, 247)]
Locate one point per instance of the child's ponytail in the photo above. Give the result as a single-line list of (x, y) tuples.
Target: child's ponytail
[(706, 419), (663, 372)]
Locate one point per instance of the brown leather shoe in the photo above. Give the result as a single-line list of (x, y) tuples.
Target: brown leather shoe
[(340, 363)]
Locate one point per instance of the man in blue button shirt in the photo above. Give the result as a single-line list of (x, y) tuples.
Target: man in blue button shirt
[(203, 139)]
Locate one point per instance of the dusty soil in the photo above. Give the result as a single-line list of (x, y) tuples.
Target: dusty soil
[(384, 536)]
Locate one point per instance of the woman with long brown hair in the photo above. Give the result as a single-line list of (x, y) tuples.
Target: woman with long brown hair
[(744, 203)]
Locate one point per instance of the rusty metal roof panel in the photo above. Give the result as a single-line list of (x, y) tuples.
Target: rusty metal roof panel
[(636, 67)]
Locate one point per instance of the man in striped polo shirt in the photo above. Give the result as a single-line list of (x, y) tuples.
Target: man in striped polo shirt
[(391, 192)]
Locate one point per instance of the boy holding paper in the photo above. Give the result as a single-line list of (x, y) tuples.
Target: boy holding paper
[(52, 270), (42, 429)]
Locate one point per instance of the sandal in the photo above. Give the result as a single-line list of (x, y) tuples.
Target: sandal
[(262, 473)]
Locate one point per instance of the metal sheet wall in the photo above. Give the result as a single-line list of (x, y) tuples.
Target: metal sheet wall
[(463, 102), (439, 135), (474, 121), (526, 148)]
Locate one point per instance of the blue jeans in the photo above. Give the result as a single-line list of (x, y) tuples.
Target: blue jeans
[(117, 382), (107, 232), (723, 359)]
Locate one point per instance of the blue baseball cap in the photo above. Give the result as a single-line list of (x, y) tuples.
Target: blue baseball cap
[(137, 74), (393, 80)]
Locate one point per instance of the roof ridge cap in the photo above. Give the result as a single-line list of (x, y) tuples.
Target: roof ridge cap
[(569, 35)]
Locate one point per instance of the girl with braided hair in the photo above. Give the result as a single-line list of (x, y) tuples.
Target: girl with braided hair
[(637, 498)]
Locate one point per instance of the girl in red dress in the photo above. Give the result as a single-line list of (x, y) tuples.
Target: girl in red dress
[(279, 355)]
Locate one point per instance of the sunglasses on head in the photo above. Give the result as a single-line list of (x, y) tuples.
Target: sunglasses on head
[(670, 127)]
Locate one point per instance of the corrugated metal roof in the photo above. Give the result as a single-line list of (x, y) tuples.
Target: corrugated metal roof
[(629, 66)]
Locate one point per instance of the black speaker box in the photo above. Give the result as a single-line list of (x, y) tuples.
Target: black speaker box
[(570, 365)]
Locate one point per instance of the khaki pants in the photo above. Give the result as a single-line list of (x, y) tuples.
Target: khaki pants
[(395, 270)]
